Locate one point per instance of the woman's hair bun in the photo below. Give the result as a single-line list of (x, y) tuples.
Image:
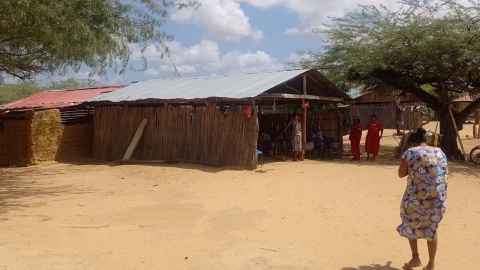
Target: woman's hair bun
[(421, 131)]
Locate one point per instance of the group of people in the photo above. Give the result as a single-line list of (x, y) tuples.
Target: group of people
[(372, 141), (424, 201)]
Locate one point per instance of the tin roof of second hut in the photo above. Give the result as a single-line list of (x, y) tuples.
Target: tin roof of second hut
[(464, 99), (230, 87), (56, 99)]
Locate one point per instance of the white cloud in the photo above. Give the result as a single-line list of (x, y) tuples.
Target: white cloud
[(205, 59), (313, 13), (222, 20), (87, 76), (264, 3), (151, 72)]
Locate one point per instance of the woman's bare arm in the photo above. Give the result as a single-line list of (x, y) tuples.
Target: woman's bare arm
[(403, 169)]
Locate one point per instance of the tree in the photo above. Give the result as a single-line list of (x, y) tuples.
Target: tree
[(38, 36), (423, 45)]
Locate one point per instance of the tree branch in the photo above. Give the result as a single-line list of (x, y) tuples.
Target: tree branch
[(471, 108)]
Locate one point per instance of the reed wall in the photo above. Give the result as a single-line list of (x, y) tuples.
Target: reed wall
[(16, 143), (386, 114), (176, 133)]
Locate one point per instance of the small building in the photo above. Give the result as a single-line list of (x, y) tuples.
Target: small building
[(212, 120), (51, 125), (388, 107)]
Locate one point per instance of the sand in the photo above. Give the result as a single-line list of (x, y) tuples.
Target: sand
[(338, 215)]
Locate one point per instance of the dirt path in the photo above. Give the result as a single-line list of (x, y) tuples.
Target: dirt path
[(333, 215)]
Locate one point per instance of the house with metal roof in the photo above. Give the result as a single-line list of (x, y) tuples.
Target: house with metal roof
[(211, 120), (51, 125)]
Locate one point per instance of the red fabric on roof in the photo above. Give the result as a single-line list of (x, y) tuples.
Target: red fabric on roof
[(58, 99)]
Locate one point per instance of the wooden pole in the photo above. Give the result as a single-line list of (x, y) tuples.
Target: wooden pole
[(256, 129), (456, 130), (136, 138), (339, 131), (304, 118)]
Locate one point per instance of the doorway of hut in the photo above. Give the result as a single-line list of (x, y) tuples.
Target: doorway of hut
[(275, 134)]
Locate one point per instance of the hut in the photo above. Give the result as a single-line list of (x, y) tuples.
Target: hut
[(211, 120), (51, 125), (462, 101), (389, 108)]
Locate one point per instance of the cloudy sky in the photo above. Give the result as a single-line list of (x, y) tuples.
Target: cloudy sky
[(238, 36)]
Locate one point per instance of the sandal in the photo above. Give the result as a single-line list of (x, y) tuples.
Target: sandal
[(411, 266)]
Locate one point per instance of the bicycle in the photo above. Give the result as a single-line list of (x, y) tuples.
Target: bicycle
[(475, 155)]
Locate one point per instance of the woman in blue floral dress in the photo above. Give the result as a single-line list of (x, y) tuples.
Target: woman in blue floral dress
[(425, 198)]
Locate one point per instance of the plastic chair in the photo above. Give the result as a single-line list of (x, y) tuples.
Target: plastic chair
[(259, 153), (335, 149)]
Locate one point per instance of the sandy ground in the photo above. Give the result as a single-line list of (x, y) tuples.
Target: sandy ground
[(338, 215)]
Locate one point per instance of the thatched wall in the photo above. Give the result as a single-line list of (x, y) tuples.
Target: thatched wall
[(274, 124), (42, 137), (386, 114), (16, 143), (46, 132), (175, 134), (76, 143)]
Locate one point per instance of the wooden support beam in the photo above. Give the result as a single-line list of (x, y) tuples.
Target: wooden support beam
[(135, 140), (300, 97), (340, 131), (304, 118), (291, 88), (256, 129)]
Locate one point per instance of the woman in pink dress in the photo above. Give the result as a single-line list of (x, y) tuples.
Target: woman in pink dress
[(355, 137), (374, 134)]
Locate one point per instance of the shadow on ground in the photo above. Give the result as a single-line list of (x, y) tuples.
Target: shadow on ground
[(18, 184), (387, 266)]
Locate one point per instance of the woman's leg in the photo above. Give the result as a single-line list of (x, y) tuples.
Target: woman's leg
[(415, 260), (432, 251)]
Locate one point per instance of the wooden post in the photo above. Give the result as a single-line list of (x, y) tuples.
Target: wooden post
[(304, 118), (456, 130), (256, 130), (340, 131), (136, 138)]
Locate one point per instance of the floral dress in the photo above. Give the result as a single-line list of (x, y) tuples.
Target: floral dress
[(425, 199), (297, 136)]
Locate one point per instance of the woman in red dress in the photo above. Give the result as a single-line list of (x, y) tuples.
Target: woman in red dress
[(355, 137), (374, 134)]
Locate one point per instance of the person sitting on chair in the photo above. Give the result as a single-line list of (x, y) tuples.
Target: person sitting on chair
[(264, 142), (317, 136)]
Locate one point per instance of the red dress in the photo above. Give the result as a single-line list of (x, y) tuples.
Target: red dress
[(372, 142), (355, 137)]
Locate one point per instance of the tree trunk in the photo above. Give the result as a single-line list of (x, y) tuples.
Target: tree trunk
[(449, 140)]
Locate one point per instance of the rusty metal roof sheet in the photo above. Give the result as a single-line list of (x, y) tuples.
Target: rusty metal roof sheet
[(56, 99)]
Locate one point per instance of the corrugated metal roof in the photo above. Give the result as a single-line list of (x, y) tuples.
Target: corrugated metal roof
[(232, 86), (465, 99), (56, 99)]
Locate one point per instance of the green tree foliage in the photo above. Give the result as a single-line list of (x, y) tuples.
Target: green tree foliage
[(12, 92), (38, 36), (423, 43)]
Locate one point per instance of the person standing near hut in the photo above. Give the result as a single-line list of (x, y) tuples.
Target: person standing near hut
[(476, 130), (425, 199), (355, 137), (374, 134), (297, 138)]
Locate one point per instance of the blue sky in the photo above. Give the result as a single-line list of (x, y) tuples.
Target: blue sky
[(236, 36)]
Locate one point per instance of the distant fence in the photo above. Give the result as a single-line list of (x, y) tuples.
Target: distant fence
[(387, 114)]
